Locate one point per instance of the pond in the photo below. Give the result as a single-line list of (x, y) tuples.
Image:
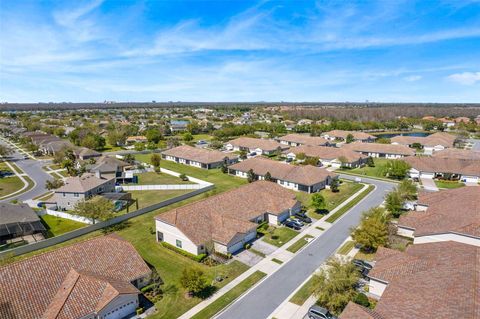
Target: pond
[(390, 135)]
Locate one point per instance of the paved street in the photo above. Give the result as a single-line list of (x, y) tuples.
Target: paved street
[(260, 302), (33, 169)]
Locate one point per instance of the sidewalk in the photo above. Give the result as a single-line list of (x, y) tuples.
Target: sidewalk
[(267, 265)]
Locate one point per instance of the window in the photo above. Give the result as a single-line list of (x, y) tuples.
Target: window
[(179, 243), (63, 194), (76, 194)]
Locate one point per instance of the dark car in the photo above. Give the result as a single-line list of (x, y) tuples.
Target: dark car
[(362, 264), (303, 217), (293, 224), (317, 312)]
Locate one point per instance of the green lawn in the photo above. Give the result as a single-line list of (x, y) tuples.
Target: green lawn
[(147, 198), (377, 171), (296, 246), (365, 256), (278, 261), (448, 184), (346, 248), (230, 296), (278, 236), (348, 206), (332, 199), (10, 185), (205, 137), (57, 225), (152, 178), (304, 293)]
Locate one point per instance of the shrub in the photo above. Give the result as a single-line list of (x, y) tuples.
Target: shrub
[(247, 246), (182, 252), (139, 311), (222, 255), (362, 300)]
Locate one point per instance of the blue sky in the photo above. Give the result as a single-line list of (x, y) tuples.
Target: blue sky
[(91, 51)]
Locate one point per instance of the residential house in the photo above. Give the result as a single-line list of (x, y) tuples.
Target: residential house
[(430, 144), (178, 125), (79, 188), (467, 171), (458, 154), (228, 220), (17, 221), (83, 153), (462, 119), (391, 151), (448, 215), (329, 156), (340, 135), (109, 165), (255, 145), (301, 139), (136, 139), (430, 281), (97, 278), (199, 157), (305, 178)]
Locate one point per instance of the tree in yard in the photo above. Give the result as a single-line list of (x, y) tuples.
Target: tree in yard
[(193, 280), (139, 146), (349, 139), (394, 203), (129, 158), (343, 161), (300, 156), (370, 162), (373, 230), (155, 161), (187, 137), (54, 184), (4, 151), (408, 189), (311, 161), (334, 185), (335, 285), (224, 168), (69, 162), (318, 202), (251, 176), (96, 208), (396, 169), (383, 140), (243, 154), (173, 142), (153, 135), (417, 146), (268, 177)]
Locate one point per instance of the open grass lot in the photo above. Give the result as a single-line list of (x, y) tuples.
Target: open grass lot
[(147, 198), (278, 236), (230, 296), (332, 218), (332, 199), (376, 171), (10, 185), (205, 137), (448, 184), (346, 248), (304, 293), (152, 178), (57, 225), (296, 246)]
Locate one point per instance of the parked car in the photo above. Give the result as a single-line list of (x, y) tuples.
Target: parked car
[(297, 221), (26, 157), (303, 217), (317, 312), (292, 224), (362, 264)]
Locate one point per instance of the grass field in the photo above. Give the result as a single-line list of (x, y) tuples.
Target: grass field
[(344, 209), (304, 293), (346, 248), (377, 171), (278, 236), (296, 246), (9, 185), (57, 225), (152, 178), (230, 296), (147, 198), (448, 184)]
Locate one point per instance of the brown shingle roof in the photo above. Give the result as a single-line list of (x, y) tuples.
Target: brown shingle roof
[(222, 216), (380, 148), (200, 155), (435, 280), (32, 287), (356, 134), (251, 143), (444, 165), (327, 153), (354, 311), (458, 154), (435, 139), (303, 139), (300, 174), (84, 183), (456, 210)]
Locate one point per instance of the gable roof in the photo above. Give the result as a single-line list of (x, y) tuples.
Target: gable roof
[(380, 148), (300, 174), (94, 271), (303, 139), (355, 311), (455, 210), (252, 143), (16, 213), (444, 165), (108, 164), (222, 216), (327, 153), (443, 139), (457, 154), (197, 154), (357, 135), (84, 183)]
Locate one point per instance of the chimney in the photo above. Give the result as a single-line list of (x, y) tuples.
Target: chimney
[(98, 174)]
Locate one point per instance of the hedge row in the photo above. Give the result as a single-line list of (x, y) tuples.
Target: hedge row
[(198, 258)]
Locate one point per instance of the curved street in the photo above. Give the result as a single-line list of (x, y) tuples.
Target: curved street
[(261, 301)]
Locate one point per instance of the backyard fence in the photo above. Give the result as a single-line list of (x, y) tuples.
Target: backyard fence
[(160, 187)]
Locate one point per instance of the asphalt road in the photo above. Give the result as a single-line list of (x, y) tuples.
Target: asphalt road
[(261, 301), (34, 170)]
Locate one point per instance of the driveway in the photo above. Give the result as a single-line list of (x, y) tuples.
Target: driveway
[(263, 247), (429, 184), (261, 301), (248, 258)]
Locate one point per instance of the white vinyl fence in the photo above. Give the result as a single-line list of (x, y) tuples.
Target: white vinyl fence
[(159, 187), (66, 215)]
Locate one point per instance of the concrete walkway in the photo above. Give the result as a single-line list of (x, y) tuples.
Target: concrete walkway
[(429, 184), (267, 265)]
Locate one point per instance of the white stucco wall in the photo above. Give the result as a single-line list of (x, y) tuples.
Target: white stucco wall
[(120, 307), (405, 232), (171, 234), (376, 287)]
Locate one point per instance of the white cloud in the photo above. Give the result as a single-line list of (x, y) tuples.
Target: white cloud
[(413, 78), (465, 78)]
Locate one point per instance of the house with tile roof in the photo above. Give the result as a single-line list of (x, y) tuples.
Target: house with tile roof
[(448, 215), (255, 145), (199, 157), (458, 154), (305, 178), (329, 156), (430, 144), (431, 281), (228, 220), (302, 139), (340, 135), (467, 171), (378, 150), (96, 278), (79, 188)]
